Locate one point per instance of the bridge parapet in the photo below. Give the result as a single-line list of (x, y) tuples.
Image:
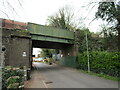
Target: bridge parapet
[(41, 32)]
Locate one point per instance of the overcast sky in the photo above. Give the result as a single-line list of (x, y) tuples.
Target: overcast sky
[(37, 11)]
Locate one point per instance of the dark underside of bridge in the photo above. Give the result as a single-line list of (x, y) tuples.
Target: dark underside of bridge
[(50, 45)]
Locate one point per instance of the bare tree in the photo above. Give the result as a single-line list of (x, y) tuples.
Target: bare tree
[(64, 19), (8, 9)]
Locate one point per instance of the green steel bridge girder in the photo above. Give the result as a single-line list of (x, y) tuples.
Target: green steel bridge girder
[(48, 33)]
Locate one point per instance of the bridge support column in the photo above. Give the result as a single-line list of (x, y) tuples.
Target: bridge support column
[(71, 50), (69, 56)]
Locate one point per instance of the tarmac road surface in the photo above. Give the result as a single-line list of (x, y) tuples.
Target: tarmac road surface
[(53, 76)]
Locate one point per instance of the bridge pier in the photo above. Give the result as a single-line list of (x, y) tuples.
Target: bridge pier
[(69, 56), (18, 48), (71, 50)]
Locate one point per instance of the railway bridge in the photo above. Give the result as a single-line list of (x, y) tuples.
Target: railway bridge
[(19, 43)]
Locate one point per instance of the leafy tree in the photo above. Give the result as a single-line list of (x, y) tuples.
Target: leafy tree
[(80, 38), (109, 38), (45, 53), (94, 43), (107, 11), (110, 12)]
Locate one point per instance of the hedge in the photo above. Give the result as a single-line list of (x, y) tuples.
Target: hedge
[(103, 62), (12, 77)]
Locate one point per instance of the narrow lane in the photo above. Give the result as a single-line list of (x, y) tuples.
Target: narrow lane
[(61, 77)]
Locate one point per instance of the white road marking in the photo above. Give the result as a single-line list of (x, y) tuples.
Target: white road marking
[(44, 84)]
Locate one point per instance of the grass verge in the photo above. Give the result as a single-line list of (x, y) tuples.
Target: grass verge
[(100, 75)]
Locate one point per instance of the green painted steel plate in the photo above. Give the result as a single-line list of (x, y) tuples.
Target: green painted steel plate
[(50, 31)]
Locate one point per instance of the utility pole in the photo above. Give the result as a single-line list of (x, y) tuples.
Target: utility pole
[(0, 54), (87, 53)]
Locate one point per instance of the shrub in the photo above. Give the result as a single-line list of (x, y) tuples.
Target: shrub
[(100, 62), (12, 77)]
